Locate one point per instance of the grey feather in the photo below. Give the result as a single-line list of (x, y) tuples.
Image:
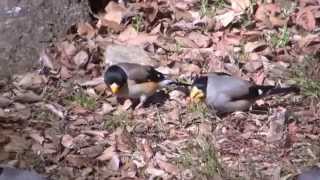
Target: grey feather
[(7, 173), (222, 89), (228, 93), (311, 174)]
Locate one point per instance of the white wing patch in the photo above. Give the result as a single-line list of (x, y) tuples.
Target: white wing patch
[(260, 91)]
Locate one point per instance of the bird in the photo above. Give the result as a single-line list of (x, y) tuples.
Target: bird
[(135, 81), (227, 94), (310, 174), (7, 173)]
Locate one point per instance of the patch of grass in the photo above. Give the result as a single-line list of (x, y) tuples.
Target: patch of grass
[(306, 76), (207, 9), (137, 22), (200, 156), (178, 47), (204, 7), (82, 99), (209, 162), (199, 110), (116, 120), (280, 40)]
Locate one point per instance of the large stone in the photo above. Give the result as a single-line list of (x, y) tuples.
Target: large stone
[(28, 26), (132, 54)]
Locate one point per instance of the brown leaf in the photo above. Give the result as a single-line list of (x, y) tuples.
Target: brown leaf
[(37, 137), (91, 151), (67, 48), (107, 154), (85, 29), (31, 81), (4, 102), (306, 19), (124, 141), (277, 125), (67, 141), (240, 5), (147, 150), (293, 129), (201, 40), (185, 42), (254, 46), (155, 172), (16, 144), (77, 161), (265, 11), (65, 73), (227, 18), (277, 21), (129, 170), (106, 108), (131, 37), (81, 59), (168, 167), (253, 66), (114, 13)]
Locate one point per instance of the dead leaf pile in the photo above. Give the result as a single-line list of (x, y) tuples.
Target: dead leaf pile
[(63, 121)]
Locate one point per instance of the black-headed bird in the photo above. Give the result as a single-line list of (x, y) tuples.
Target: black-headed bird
[(128, 80), (226, 93)]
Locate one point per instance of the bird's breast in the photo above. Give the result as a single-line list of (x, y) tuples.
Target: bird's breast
[(135, 90)]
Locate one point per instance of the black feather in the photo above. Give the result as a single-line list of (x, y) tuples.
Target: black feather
[(115, 74), (258, 91), (201, 82), (155, 75)]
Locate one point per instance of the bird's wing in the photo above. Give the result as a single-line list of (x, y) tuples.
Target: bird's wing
[(141, 73), (231, 87)]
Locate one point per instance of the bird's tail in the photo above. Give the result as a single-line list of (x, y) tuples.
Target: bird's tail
[(271, 90)]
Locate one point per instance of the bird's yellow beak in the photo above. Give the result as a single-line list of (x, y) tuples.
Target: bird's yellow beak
[(114, 88), (196, 94)]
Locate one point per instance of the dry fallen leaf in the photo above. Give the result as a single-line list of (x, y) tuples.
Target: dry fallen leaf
[(255, 46), (227, 18), (115, 12), (31, 81), (4, 102), (168, 167), (37, 137), (81, 59), (85, 29), (107, 154), (306, 19), (106, 108), (240, 5)]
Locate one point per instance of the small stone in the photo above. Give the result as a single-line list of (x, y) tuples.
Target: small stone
[(81, 59)]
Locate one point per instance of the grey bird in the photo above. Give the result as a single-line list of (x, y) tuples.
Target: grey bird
[(226, 93), (310, 174), (128, 80), (8, 173)]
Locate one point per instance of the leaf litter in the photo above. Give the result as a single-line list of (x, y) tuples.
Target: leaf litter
[(64, 122)]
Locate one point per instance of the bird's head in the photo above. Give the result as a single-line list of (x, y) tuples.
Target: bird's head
[(199, 89), (115, 78)]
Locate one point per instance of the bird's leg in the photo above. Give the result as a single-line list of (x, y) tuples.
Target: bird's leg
[(143, 99)]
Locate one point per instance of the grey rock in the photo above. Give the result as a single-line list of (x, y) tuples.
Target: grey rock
[(131, 54)]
